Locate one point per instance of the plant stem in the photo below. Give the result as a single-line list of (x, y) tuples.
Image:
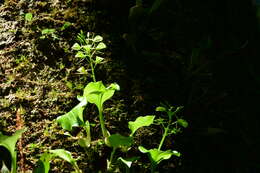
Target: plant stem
[(111, 157), (164, 136), (102, 123), (92, 69)]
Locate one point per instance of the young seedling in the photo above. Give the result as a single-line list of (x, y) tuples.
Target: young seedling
[(9, 142), (43, 164), (96, 93), (118, 141), (156, 155)]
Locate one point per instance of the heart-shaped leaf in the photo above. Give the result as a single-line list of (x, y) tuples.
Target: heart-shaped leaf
[(96, 93), (140, 122)]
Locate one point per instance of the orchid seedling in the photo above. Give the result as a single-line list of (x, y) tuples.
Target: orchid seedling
[(156, 155)]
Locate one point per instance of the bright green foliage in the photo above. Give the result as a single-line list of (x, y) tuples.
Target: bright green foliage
[(9, 143), (128, 161), (156, 155), (43, 165), (118, 141), (73, 118), (28, 17), (140, 122), (88, 48), (49, 32), (96, 93)]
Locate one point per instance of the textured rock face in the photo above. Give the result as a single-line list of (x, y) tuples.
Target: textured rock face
[(8, 29)]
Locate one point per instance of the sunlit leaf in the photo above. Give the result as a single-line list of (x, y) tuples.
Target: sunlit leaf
[(117, 140), (101, 46), (80, 54), (156, 156), (48, 31), (161, 109), (63, 154), (128, 161), (9, 142), (87, 48), (73, 118), (140, 122), (99, 59), (98, 38), (28, 17), (76, 46), (43, 164)]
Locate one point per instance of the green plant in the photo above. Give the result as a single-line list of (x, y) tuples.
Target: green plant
[(9, 142), (28, 17), (88, 48), (119, 141), (49, 33), (43, 164), (156, 155)]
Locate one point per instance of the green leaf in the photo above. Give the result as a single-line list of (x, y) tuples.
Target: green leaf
[(117, 140), (43, 164), (65, 155), (128, 161), (161, 109), (114, 86), (9, 143), (183, 123), (28, 17), (98, 59), (101, 46), (80, 54), (98, 38), (48, 31), (96, 93), (140, 122), (156, 156), (73, 118), (76, 46), (82, 70), (87, 48), (65, 26)]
